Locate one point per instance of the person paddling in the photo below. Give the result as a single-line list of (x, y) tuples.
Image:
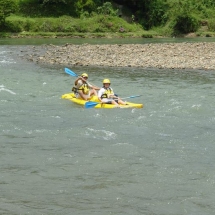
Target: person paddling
[(83, 89), (106, 94)]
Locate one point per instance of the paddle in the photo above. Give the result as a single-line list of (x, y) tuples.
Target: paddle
[(131, 97), (93, 104), (70, 72)]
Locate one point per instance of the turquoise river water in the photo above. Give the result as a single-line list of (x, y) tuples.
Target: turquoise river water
[(60, 158)]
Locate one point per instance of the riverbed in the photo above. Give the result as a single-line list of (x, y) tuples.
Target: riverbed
[(183, 55)]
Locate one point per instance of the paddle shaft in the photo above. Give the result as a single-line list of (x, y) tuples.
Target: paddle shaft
[(129, 97)]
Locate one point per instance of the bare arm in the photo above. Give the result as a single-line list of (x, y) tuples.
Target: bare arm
[(95, 87)]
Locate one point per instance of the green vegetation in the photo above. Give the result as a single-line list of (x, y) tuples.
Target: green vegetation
[(100, 18), (69, 25), (6, 8)]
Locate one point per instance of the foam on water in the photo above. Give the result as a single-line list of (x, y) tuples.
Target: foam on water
[(101, 134), (2, 88), (5, 58)]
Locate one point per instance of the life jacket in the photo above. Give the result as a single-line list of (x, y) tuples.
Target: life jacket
[(107, 92), (85, 88)]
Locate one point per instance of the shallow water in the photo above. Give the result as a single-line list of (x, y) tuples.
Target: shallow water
[(62, 41), (59, 158)]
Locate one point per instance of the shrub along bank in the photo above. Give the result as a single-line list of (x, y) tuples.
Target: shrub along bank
[(98, 25), (155, 18)]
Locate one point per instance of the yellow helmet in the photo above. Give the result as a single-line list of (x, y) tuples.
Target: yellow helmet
[(84, 75), (106, 81)]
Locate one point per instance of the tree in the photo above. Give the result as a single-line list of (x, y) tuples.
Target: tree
[(149, 13), (54, 2), (107, 9), (152, 12), (6, 8), (86, 5), (59, 7)]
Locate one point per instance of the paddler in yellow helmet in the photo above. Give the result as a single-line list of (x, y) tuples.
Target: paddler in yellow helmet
[(83, 89), (107, 96)]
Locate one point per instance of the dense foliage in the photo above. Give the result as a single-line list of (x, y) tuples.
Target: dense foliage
[(6, 8), (177, 16)]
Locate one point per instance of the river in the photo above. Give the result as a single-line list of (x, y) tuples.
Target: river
[(59, 158)]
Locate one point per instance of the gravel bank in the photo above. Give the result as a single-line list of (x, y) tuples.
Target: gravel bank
[(165, 55)]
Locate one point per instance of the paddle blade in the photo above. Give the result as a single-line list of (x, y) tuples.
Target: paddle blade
[(90, 104), (70, 72)]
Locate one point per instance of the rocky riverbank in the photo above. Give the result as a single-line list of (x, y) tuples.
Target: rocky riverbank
[(156, 55)]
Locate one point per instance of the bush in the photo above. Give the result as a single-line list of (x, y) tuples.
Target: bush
[(95, 24), (185, 23), (211, 25), (14, 26)]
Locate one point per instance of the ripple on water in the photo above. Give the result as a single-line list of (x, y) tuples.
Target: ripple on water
[(100, 134)]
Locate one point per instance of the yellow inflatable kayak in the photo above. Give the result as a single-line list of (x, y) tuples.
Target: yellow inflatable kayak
[(94, 102)]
